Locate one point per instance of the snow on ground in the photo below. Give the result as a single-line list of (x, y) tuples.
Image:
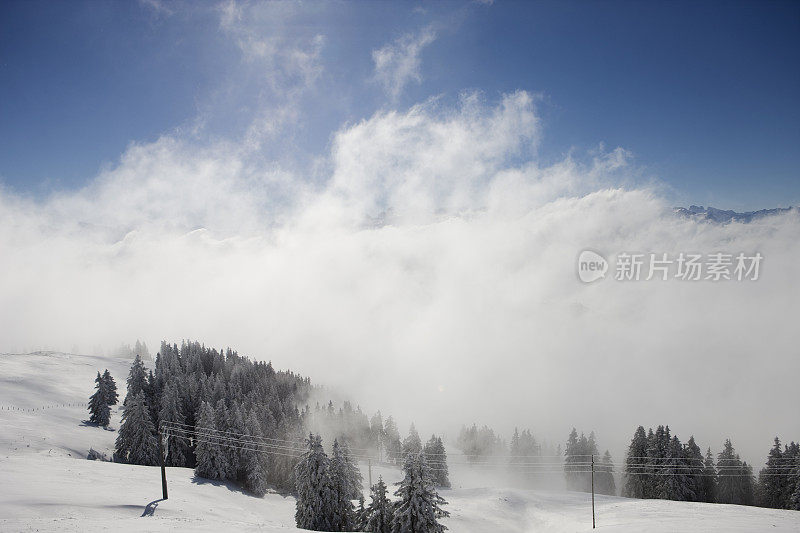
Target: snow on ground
[(48, 485)]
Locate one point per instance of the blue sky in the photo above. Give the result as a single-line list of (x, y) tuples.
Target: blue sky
[(705, 96)]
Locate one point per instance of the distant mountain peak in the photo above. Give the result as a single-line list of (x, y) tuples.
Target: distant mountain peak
[(720, 216)]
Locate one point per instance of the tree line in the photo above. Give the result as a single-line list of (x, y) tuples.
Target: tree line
[(327, 486), (658, 465)]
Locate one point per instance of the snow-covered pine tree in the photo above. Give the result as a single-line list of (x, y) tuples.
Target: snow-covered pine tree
[(794, 499), (177, 448), (224, 423), (693, 465), (255, 461), (709, 479), (111, 388), (361, 513), (376, 436), (635, 482), (343, 517), (378, 514), (571, 459), (352, 474), (674, 485), (437, 461), (98, 403), (315, 498), (419, 507), (604, 476), (772, 487), (212, 460), (137, 379), (734, 477), (391, 435), (412, 444), (136, 442), (791, 457)]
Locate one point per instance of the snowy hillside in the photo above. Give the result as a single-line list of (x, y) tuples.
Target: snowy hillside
[(48, 485)]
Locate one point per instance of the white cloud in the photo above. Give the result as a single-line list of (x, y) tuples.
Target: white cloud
[(397, 64), (438, 254)]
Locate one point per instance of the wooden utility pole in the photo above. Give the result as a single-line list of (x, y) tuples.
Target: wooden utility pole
[(593, 492), (163, 466)]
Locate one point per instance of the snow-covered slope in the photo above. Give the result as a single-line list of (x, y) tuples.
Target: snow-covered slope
[(48, 485)]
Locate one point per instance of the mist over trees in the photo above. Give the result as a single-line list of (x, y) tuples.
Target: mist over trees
[(237, 420), (659, 466)]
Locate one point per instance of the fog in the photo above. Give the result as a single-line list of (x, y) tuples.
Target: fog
[(431, 274), (422, 263)]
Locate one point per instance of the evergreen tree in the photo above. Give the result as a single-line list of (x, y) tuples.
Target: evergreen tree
[(604, 476), (137, 379), (343, 517), (212, 460), (255, 460), (136, 442), (98, 403), (675, 483), (571, 460), (176, 447), (694, 467), (735, 477), (376, 435), (635, 481), (111, 387), (772, 486), (791, 466), (392, 440), (709, 491), (437, 461), (352, 474), (412, 444), (315, 493), (419, 507), (378, 515)]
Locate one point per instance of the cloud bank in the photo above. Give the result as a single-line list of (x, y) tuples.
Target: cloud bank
[(431, 273)]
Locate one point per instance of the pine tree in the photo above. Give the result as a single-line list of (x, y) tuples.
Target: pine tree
[(353, 475), (212, 460), (315, 497), (772, 486), (635, 481), (392, 440), (437, 461), (136, 442), (378, 515), (709, 492), (693, 465), (735, 477), (343, 518), (137, 379), (176, 447), (604, 475), (412, 444), (98, 403), (255, 461), (111, 387), (675, 482), (571, 460), (419, 507), (791, 458), (361, 514)]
